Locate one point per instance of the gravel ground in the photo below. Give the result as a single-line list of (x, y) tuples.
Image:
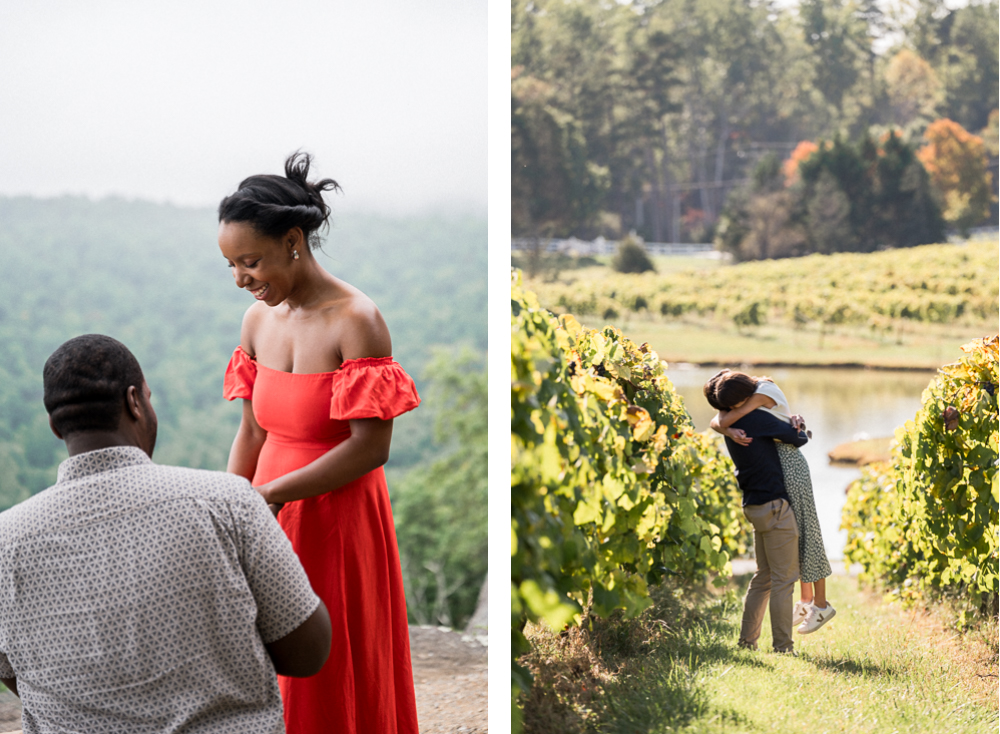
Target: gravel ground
[(10, 712), (449, 675)]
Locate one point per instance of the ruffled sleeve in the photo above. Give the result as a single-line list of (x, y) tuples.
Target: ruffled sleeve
[(240, 376), (372, 387)]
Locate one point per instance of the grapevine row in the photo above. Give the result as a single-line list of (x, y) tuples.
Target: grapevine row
[(611, 487), (930, 284), (926, 522)]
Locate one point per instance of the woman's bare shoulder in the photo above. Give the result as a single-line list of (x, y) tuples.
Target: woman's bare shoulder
[(363, 331), (253, 318)]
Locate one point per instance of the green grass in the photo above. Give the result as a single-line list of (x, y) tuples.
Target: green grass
[(925, 346), (873, 669)]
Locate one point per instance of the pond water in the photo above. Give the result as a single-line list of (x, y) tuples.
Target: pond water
[(839, 405)]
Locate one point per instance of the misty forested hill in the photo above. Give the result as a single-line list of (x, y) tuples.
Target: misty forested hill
[(152, 276)]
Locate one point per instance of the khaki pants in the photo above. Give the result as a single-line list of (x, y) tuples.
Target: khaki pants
[(776, 542)]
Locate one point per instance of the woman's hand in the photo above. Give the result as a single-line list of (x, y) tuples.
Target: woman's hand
[(738, 435), (274, 507), (366, 449), (799, 424)]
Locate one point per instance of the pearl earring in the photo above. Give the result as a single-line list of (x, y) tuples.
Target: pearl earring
[(295, 254)]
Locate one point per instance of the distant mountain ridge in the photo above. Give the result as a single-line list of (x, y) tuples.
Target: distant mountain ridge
[(151, 276)]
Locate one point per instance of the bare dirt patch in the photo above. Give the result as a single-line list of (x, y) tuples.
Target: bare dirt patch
[(449, 675), (10, 713)]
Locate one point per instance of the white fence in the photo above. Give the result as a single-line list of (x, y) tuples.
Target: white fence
[(601, 246)]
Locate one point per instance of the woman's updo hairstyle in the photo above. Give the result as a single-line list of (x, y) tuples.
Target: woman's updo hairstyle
[(272, 205)]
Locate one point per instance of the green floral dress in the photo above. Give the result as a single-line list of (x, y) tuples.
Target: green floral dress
[(813, 563)]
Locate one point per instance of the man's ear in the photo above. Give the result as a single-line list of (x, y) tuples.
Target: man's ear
[(132, 402), (54, 429)]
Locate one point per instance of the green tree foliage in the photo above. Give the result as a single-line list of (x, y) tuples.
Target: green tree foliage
[(961, 46), (646, 116), (440, 506), (759, 221), (845, 198), (554, 188), (611, 488), (926, 523), (838, 38), (887, 189), (152, 276)]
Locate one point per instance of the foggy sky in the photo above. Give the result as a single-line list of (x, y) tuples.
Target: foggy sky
[(178, 101)]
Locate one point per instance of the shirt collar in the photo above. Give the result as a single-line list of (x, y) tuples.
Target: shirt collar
[(101, 460)]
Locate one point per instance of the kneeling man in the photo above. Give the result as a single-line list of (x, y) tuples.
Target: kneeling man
[(136, 597)]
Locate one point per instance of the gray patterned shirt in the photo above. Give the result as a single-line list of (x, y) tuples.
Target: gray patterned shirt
[(138, 598)]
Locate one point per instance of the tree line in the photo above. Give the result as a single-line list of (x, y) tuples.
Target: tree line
[(651, 116)]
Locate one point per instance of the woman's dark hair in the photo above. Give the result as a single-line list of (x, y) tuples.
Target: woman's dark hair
[(734, 387), (275, 204), (85, 382)]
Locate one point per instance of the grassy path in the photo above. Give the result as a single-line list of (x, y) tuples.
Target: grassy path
[(874, 668)]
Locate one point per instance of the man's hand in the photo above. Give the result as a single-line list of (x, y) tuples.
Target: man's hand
[(738, 436), (274, 507)]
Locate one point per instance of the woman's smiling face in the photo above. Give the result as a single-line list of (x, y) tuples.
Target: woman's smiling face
[(260, 264)]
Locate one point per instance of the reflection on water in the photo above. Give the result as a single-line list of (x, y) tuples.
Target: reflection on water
[(839, 405)]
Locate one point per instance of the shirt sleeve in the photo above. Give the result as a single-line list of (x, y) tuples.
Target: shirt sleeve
[(5, 670), (780, 409), (761, 424), (285, 599)]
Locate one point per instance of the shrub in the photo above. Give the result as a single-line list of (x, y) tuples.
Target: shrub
[(631, 257)]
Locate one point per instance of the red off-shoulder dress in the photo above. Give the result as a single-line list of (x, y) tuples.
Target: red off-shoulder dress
[(345, 540)]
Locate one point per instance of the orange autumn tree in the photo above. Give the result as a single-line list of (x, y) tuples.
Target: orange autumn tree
[(955, 160), (791, 165)]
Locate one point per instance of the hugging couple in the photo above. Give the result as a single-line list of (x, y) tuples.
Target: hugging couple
[(763, 438)]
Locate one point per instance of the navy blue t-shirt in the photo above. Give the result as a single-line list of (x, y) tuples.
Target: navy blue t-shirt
[(758, 468)]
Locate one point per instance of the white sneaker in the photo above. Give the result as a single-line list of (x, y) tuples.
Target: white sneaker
[(800, 611), (816, 618)]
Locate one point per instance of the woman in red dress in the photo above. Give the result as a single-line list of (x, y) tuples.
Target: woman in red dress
[(320, 390)]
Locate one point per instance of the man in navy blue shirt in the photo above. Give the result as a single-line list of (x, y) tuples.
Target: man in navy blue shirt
[(776, 534)]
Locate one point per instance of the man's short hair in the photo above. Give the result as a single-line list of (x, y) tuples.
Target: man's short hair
[(711, 386), (85, 381)]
